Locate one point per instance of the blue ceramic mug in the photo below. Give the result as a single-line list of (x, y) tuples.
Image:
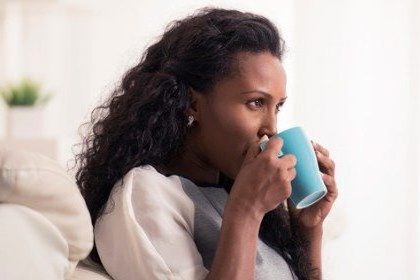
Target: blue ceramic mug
[(308, 186)]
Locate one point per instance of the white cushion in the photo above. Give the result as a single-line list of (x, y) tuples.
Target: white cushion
[(31, 246), (39, 183)]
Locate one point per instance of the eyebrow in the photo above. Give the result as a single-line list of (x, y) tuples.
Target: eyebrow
[(263, 92)]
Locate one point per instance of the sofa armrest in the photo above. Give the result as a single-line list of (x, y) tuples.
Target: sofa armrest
[(42, 185), (31, 246)]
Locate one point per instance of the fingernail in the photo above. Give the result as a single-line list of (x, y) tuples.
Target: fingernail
[(264, 138), (263, 142)]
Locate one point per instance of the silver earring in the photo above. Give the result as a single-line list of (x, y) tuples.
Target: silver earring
[(190, 120)]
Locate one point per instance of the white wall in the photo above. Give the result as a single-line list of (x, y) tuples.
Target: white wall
[(353, 83), (415, 138), (80, 49), (355, 92), (50, 42)]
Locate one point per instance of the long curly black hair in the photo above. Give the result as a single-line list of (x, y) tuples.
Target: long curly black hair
[(149, 107)]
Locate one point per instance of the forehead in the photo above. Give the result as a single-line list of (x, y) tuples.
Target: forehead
[(255, 71), (260, 66)]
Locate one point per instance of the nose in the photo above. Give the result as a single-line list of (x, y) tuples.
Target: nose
[(268, 126)]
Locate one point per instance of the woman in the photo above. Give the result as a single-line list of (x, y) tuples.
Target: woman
[(172, 172)]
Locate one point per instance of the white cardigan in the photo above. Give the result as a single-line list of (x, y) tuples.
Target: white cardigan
[(160, 227)]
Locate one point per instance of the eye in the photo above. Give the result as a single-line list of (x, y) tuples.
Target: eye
[(279, 106), (258, 102)]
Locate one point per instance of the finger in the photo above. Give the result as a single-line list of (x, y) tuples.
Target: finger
[(319, 147), (331, 186), (273, 147), (263, 139), (292, 172), (326, 164), (253, 151), (290, 161)]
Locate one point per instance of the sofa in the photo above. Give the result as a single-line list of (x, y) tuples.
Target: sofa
[(45, 226)]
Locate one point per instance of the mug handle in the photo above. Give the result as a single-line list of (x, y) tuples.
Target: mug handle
[(263, 145)]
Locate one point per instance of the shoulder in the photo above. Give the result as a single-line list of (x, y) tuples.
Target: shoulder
[(147, 181), (150, 186), (144, 193), (135, 236)]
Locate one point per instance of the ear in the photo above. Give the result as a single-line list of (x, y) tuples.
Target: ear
[(196, 99)]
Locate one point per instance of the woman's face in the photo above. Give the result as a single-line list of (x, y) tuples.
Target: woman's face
[(240, 110)]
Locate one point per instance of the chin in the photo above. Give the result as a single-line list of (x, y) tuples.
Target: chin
[(236, 169)]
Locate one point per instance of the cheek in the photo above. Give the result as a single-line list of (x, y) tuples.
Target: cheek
[(230, 133), (239, 125)]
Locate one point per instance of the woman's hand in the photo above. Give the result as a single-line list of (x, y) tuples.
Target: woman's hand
[(313, 216), (264, 180)]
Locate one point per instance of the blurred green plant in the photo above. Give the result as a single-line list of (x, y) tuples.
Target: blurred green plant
[(24, 93)]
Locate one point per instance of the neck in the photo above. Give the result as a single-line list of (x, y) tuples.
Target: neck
[(191, 165)]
